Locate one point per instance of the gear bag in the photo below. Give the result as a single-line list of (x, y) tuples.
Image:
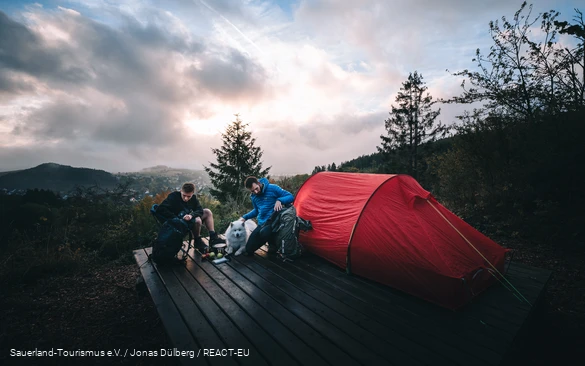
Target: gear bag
[(169, 240), (286, 225)]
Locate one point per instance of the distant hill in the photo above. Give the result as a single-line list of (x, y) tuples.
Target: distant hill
[(156, 169), (56, 177), (183, 175), (160, 178), (12, 171)]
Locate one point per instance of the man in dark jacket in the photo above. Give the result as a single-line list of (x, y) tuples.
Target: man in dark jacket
[(185, 205), (266, 199)]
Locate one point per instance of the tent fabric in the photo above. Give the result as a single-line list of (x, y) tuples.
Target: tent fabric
[(387, 228)]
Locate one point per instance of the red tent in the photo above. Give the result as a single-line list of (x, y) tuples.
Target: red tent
[(387, 228)]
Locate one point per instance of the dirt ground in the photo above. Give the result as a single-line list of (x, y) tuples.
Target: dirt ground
[(102, 310), (556, 335)]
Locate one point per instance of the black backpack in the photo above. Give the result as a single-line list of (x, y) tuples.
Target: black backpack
[(169, 240), (286, 224)]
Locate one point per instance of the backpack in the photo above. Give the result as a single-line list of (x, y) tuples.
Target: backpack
[(286, 225), (169, 240)]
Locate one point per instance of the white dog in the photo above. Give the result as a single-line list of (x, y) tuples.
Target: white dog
[(237, 235)]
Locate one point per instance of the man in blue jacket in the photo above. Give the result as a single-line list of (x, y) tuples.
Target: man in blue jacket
[(266, 199)]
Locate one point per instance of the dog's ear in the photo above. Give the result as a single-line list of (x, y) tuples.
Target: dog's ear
[(231, 224)]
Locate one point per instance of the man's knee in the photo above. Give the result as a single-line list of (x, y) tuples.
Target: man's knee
[(265, 232), (198, 221), (207, 213), (256, 240)]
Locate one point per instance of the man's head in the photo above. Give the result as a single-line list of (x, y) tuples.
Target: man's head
[(187, 191), (253, 185)]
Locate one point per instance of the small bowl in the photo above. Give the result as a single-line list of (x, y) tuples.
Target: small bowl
[(219, 248)]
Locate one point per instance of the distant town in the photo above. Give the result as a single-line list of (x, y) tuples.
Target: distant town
[(65, 180)]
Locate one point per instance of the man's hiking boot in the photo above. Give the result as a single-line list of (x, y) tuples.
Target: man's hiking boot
[(200, 245), (216, 240)]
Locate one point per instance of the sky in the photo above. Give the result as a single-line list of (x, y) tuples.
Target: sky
[(125, 85)]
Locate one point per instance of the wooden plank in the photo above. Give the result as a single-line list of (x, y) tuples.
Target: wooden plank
[(269, 321), (385, 293), (408, 331), (521, 337), (526, 281), (497, 304), (470, 327), (309, 312), (537, 274), (399, 329), (319, 344), (495, 297), (527, 286), (378, 339), (363, 345), (176, 329), (193, 317), (476, 330), (230, 335), (244, 332)]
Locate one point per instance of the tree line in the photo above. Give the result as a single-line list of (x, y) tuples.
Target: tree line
[(516, 159)]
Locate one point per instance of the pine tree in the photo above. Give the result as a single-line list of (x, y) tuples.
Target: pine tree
[(410, 125), (237, 158), (318, 169)]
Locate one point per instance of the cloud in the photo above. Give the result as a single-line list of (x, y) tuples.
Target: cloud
[(405, 35), (292, 149), (25, 52), (231, 76), (13, 84), (124, 85)]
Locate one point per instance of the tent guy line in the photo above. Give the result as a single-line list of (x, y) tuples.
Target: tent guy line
[(478, 252)]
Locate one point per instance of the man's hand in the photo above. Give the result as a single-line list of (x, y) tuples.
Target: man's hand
[(278, 206), (242, 219), (187, 217)]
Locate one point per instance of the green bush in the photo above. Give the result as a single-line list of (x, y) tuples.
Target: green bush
[(231, 210), (292, 183), (89, 228)]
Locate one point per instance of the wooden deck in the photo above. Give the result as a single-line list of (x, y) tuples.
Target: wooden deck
[(311, 313)]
